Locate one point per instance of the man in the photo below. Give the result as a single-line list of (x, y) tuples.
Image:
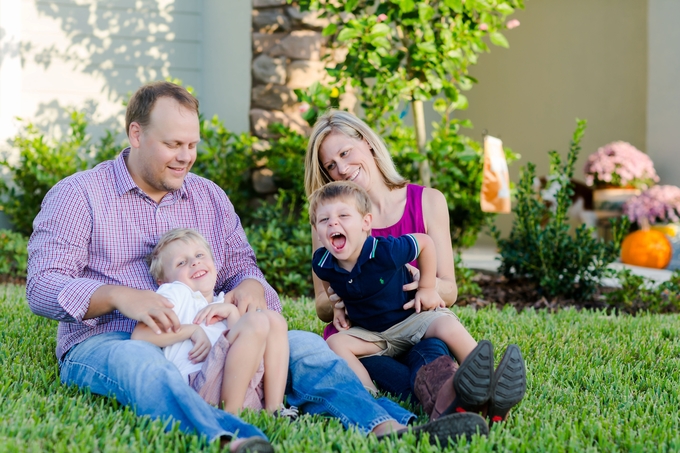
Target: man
[(87, 270)]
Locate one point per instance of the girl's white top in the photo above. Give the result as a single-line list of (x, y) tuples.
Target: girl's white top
[(187, 304)]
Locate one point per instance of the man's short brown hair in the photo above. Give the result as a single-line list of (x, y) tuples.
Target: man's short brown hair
[(339, 190), (142, 102)]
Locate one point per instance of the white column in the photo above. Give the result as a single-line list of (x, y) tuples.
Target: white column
[(226, 62), (10, 68), (663, 89)]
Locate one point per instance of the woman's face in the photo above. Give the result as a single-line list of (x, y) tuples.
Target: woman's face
[(348, 159)]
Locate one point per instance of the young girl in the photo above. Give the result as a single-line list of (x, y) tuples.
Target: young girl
[(229, 359)]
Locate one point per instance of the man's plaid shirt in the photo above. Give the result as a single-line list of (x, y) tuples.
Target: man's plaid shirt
[(96, 227)]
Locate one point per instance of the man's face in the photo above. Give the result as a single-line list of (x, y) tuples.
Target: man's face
[(190, 263), (165, 149), (342, 230)]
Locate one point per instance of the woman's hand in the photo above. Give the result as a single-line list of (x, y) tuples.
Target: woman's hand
[(340, 320), (336, 301)]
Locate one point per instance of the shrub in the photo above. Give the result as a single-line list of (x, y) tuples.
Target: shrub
[(282, 240), (639, 293), (543, 251), (13, 254)]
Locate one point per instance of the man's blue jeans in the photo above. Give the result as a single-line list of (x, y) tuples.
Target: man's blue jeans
[(137, 374)]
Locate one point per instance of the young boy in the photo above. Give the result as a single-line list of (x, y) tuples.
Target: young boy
[(368, 273), (218, 351)]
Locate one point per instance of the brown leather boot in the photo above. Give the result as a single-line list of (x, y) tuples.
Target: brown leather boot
[(430, 382)]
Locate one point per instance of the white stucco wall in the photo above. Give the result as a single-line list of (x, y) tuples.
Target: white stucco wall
[(663, 89)]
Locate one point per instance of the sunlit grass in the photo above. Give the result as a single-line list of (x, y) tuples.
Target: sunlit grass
[(595, 383)]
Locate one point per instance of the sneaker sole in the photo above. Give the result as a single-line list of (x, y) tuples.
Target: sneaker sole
[(473, 379), (447, 428), (255, 445), (509, 383)]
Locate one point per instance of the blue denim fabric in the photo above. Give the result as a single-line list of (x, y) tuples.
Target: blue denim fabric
[(137, 374), (320, 382), (397, 375)]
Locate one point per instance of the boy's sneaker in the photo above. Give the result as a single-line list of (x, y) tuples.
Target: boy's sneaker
[(291, 413)]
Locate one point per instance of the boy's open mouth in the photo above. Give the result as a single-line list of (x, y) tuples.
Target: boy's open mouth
[(338, 240)]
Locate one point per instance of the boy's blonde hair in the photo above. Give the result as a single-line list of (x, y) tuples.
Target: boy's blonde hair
[(351, 126), (339, 189), (185, 235)]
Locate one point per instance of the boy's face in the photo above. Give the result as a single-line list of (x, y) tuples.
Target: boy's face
[(342, 229), (190, 263)]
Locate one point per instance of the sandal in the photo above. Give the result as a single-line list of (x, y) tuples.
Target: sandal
[(447, 428), (509, 384)]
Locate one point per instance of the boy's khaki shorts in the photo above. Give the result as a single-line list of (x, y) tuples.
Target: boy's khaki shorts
[(400, 337)]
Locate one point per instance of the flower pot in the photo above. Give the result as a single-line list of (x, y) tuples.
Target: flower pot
[(608, 202)]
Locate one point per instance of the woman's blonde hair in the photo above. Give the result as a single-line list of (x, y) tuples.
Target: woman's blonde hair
[(347, 123)]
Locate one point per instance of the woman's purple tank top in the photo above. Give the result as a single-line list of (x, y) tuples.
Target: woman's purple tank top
[(411, 222)]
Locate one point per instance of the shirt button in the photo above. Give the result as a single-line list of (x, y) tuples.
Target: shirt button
[(350, 281)]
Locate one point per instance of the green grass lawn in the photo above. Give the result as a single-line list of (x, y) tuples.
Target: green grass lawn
[(595, 383)]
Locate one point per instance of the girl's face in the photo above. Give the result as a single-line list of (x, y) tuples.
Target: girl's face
[(348, 159)]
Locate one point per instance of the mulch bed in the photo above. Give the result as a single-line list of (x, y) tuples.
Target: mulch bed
[(522, 294)]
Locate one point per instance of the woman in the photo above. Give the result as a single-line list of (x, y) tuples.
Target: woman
[(342, 147)]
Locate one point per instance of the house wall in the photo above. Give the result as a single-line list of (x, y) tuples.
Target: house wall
[(663, 88), (568, 59)]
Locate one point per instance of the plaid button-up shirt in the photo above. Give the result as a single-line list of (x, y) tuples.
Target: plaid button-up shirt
[(96, 227)]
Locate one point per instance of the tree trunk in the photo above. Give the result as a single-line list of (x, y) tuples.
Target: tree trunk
[(421, 139)]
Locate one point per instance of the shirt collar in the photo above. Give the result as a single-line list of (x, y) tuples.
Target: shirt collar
[(328, 261), (124, 182)]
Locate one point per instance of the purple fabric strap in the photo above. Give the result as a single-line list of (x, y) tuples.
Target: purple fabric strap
[(412, 219)]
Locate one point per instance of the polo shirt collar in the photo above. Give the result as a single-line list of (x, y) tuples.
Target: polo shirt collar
[(124, 182), (328, 261)]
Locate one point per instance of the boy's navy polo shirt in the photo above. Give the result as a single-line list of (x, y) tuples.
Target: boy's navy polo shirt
[(372, 291)]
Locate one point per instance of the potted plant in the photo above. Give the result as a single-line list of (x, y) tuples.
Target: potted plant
[(618, 171), (656, 211)]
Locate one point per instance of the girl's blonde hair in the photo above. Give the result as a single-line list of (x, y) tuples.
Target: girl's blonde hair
[(185, 235), (340, 121)]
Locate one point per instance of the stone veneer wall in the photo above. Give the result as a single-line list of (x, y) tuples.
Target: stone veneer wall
[(288, 49)]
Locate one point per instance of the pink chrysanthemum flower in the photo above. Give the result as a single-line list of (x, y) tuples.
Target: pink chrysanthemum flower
[(657, 204), (620, 164)]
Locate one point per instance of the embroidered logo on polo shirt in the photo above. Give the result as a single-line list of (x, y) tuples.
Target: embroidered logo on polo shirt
[(382, 282)]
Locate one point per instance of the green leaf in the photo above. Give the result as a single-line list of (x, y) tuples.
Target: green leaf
[(329, 30), (456, 5), (440, 105), (348, 33), (505, 9), (407, 6), (380, 29), (498, 39), (425, 12)]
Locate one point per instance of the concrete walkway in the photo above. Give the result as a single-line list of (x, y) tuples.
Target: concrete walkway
[(485, 258)]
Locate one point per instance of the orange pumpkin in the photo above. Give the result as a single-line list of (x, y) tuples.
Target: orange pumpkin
[(647, 248)]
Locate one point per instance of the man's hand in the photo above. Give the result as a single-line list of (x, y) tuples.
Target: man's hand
[(340, 320), (144, 306), (427, 299), (218, 312), (201, 345), (247, 296)]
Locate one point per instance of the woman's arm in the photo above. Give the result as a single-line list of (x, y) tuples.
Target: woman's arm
[(436, 216), (324, 307)]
